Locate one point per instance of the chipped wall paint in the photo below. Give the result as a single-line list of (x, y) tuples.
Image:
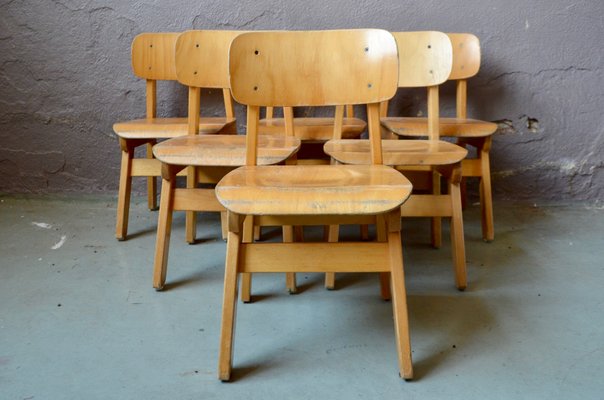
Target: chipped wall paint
[(65, 78)]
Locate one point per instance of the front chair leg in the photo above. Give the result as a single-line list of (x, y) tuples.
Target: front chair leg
[(229, 304), (457, 231), (164, 226), (399, 299)]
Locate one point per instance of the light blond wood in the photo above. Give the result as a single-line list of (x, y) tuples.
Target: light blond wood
[(153, 56), (223, 150), (411, 126), (300, 72), (313, 189), (425, 58), (396, 152), (466, 55), (466, 64), (124, 196), (352, 83), (164, 128), (313, 129), (202, 58)]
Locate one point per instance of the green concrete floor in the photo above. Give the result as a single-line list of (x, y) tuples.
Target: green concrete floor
[(80, 320)]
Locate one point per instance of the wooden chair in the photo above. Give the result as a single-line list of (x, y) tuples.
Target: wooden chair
[(472, 132), (201, 59), (424, 61), (153, 60), (313, 68)]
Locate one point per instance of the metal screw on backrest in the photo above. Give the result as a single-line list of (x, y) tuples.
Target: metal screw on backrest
[(151, 45), (429, 46), (369, 85), (256, 52), (255, 87), (366, 49), (197, 45), (194, 72)]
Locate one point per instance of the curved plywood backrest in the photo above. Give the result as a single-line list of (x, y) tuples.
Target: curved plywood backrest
[(202, 58), (466, 55), (425, 58), (312, 68), (153, 56)]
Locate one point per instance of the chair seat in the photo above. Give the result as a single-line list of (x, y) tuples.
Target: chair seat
[(223, 150), (163, 128), (313, 189), (456, 127), (313, 129), (396, 152)]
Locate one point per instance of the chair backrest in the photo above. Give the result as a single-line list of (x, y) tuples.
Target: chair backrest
[(313, 68), (202, 61), (152, 56), (466, 63), (466, 55), (425, 60)]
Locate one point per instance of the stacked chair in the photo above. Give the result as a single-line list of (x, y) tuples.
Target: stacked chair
[(425, 61), (467, 132), (202, 61), (153, 60)]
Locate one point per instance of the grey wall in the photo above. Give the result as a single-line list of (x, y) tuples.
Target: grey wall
[(65, 78)]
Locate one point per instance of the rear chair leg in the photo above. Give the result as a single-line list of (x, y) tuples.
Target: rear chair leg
[(164, 227), (151, 182), (436, 221), (246, 277), (191, 216), (486, 196), (333, 233), (457, 234), (290, 277), (123, 196), (382, 236)]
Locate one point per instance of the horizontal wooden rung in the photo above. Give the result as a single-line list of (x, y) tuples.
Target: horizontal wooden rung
[(149, 167), (471, 167), (427, 205), (313, 220), (314, 257), (196, 200)]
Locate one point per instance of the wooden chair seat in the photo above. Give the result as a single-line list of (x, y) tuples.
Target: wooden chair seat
[(223, 150), (163, 128), (456, 127), (313, 190), (397, 152), (313, 129)]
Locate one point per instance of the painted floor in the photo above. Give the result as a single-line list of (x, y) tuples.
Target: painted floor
[(79, 318)]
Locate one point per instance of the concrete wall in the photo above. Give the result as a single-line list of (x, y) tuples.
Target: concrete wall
[(65, 77)]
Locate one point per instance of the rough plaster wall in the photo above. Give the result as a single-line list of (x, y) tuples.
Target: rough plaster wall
[(65, 77)]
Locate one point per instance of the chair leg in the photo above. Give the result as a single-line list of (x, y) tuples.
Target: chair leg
[(246, 277), (457, 233), (229, 306), (382, 236), (123, 196), (436, 221), (164, 229), (223, 225), (486, 197), (191, 216), (257, 232), (290, 277), (151, 182), (364, 232), (399, 305), (333, 233)]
